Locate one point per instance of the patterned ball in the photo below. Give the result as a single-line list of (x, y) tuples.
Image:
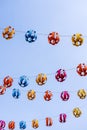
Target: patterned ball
[(31, 36), (62, 118), (48, 95), (82, 69), (31, 94), (7, 82), (41, 79), (2, 124), (53, 38), (77, 39), (81, 93), (8, 33), (77, 112), (22, 125), (35, 123), (11, 125), (49, 121), (23, 81), (16, 93), (64, 95), (2, 90), (60, 75)]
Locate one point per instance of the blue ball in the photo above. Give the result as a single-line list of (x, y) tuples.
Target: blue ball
[(22, 125), (31, 36), (23, 81), (16, 93)]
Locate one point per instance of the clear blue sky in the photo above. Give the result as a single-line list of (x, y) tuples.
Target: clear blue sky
[(18, 57)]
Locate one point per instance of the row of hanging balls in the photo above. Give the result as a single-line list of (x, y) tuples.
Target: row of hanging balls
[(35, 123), (53, 37)]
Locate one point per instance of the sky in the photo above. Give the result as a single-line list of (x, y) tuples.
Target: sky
[(19, 57)]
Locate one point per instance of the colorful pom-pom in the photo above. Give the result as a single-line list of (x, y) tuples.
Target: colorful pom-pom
[(8, 33), (77, 112), (31, 94), (62, 117), (16, 93), (35, 123), (41, 79), (31, 36), (23, 81), (60, 75), (65, 95), (49, 121), (7, 82), (48, 95), (82, 69), (22, 125), (53, 38), (81, 93), (77, 39), (11, 125), (2, 90)]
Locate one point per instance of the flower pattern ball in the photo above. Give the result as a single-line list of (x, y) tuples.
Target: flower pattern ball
[(48, 95), (16, 93), (22, 125), (60, 75), (64, 95), (8, 33), (23, 81), (11, 125), (82, 69), (31, 36), (77, 39), (81, 93), (53, 38), (2, 90), (77, 112), (7, 82), (31, 95), (35, 123), (62, 118), (2, 124), (41, 79)]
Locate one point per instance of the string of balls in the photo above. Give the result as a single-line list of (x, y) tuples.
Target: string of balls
[(53, 37)]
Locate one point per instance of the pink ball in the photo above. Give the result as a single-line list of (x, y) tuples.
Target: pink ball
[(60, 75), (62, 117), (65, 95), (2, 124)]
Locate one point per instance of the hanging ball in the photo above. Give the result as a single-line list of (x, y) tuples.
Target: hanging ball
[(2, 90), (82, 69), (77, 39), (7, 82), (77, 112), (11, 125), (23, 81), (62, 118), (8, 33), (31, 94), (81, 93), (2, 124), (64, 95), (53, 38), (49, 121), (31, 36), (22, 125), (16, 93), (48, 95), (35, 123), (60, 75), (41, 79)]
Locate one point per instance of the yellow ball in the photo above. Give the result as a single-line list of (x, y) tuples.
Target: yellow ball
[(31, 94), (35, 123), (81, 93), (77, 39), (41, 79), (77, 112)]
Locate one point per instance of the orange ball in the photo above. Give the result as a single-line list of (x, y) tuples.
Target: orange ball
[(11, 125), (8, 81), (53, 38)]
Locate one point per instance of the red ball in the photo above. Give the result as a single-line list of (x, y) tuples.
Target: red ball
[(82, 69), (62, 118), (65, 95), (2, 90), (60, 75), (8, 81)]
